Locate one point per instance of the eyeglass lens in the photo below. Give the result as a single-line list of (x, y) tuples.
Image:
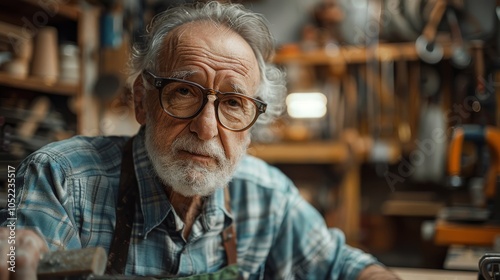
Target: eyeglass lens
[(184, 100)]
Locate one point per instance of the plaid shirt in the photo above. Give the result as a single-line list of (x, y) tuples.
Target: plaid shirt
[(67, 192)]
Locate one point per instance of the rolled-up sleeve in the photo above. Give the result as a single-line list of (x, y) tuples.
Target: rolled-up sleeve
[(44, 201)]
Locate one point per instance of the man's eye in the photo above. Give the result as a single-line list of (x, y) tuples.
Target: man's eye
[(233, 102), (183, 91)]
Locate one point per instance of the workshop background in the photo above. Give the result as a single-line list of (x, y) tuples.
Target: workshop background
[(390, 129)]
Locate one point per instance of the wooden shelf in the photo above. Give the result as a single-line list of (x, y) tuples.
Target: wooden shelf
[(39, 85), (325, 152), (52, 9), (68, 11), (305, 153), (356, 54), (448, 233), (412, 208)]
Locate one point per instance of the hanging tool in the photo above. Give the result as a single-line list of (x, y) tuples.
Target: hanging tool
[(484, 105), (427, 48), (479, 69), (476, 225), (460, 56), (479, 135)]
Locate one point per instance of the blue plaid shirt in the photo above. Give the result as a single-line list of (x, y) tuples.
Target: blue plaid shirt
[(67, 192)]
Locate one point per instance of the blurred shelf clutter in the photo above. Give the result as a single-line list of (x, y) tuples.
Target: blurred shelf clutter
[(46, 66), (399, 77), (377, 90)]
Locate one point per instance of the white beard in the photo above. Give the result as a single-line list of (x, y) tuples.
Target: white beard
[(190, 178)]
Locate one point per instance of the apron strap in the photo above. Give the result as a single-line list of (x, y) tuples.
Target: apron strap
[(229, 234), (125, 211)]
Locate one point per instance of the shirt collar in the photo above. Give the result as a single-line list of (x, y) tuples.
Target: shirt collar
[(154, 203)]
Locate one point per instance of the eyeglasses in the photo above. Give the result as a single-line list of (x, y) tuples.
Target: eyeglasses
[(185, 100)]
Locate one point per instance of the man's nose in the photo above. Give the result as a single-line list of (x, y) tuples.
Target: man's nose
[(205, 124)]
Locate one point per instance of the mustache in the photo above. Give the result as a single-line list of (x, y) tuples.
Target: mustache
[(193, 145)]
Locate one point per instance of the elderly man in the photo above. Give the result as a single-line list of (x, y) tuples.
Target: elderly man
[(182, 198)]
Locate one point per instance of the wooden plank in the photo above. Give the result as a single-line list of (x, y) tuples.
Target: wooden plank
[(13, 31), (33, 14), (414, 99), (322, 152), (89, 111), (358, 54), (465, 234), (68, 11), (307, 153), (350, 193), (38, 84), (412, 208)]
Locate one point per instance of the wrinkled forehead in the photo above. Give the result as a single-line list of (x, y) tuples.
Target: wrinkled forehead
[(206, 39)]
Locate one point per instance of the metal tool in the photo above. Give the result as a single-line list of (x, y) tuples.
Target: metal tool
[(489, 266), (486, 136), (72, 264), (426, 46), (80, 264)]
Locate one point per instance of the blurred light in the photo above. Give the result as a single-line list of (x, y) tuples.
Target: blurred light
[(306, 105)]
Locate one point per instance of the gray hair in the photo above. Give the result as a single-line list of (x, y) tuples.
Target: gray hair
[(249, 25)]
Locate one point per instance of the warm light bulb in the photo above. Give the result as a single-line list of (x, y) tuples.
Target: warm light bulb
[(306, 105)]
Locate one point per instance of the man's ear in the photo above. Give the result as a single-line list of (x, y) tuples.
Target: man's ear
[(139, 92)]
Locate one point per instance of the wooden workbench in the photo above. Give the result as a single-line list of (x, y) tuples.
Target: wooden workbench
[(431, 274)]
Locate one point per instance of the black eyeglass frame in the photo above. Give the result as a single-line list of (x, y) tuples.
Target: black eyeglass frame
[(159, 83)]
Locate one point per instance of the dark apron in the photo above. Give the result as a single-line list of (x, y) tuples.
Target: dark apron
[(125, 211)]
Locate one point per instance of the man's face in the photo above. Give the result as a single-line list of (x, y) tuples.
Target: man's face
[(197, 156)]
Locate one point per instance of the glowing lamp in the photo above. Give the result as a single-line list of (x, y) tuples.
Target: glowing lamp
[(306, 105)]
